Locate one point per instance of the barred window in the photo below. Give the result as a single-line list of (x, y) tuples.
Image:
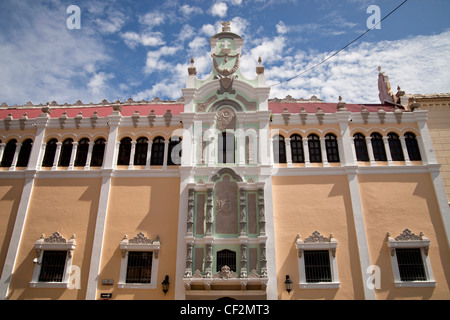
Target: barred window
[(360, 147), (139, 269), (410, 264), (395, 147), (332, 148), (317, 266), (53, 265), (279, 149), (315, 152), (297, 149), (227, 148), (174, 156), (226, 258)]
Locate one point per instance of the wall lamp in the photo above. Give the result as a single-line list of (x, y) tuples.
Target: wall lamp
[(288, 284), (165, 284)]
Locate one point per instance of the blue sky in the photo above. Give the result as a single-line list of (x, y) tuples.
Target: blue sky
[(141, 49)]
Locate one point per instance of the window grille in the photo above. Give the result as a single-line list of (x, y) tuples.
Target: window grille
[(379, 152), (139, 268), (410, 264), (226, 148), (174, 159), (297, 149), (226, 258), (412, 147), (24, 154), (158, 152), (360, 147), (315, 152), (395, 147), (279, 149), (53, 265), (331, 145), (317, 266)]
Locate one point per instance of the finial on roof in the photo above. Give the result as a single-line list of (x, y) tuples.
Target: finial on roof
[(192, 70), (259, 67), (225, 26)]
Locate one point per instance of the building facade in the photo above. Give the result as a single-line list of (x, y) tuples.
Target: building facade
[(222, 194)]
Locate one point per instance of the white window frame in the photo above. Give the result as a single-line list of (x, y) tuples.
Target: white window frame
[(139, 243), (53, 243), (406, 240), (317, 242)]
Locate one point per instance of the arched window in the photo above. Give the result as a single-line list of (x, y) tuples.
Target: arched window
[(226, 258), (279, 149), (98, 152), (82, 152), (66, 152), (332, 148), (8, 153), (226, 147), (361, 147), (50, 152), (157, 152), (24, 154), (297, 149), (140, 153), (123, 158), (395, 147), (174, 156), (412, 147), (379, 152), (315, 152)]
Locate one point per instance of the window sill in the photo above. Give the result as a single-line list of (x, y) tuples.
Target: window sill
[(320, 285), (415, 284), (122, 285), (63, 285)]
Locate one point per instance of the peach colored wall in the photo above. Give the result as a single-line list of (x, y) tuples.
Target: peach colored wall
[(303, 205), (392, 203), (150, 206), (10, 193), (70, 207)]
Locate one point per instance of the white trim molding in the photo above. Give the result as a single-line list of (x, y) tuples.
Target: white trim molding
[(408, 240), (143, 244), (53, 243), (317, 242)]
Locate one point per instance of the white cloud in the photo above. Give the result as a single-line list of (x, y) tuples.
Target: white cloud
[(147, 39), (98, 84), (219, 9), (155, 62), (112, 23), (152, 19), (187, 10)]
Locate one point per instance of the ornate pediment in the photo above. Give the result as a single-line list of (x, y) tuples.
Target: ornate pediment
[(226, 273)]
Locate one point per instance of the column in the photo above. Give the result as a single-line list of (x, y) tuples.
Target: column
[(323, 148), (166, 151), (388, 151), (57, 155), (241, 143), (149, 154), (190, 214), (288, 152), (2, 148), (89, 155), (209, 212), (243, 261), (370, 151), (16, 156), (306, 152), (132, 153), (73, 155), (243, 216), (405, 151), (261, 212)]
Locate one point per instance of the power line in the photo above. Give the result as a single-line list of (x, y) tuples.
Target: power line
[(343, 48)]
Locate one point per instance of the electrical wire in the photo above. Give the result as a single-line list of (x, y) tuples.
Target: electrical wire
[(342, 49)]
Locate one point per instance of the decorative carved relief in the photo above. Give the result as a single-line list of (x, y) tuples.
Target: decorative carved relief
[(226, 119), (316, 237), (225, 273)]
